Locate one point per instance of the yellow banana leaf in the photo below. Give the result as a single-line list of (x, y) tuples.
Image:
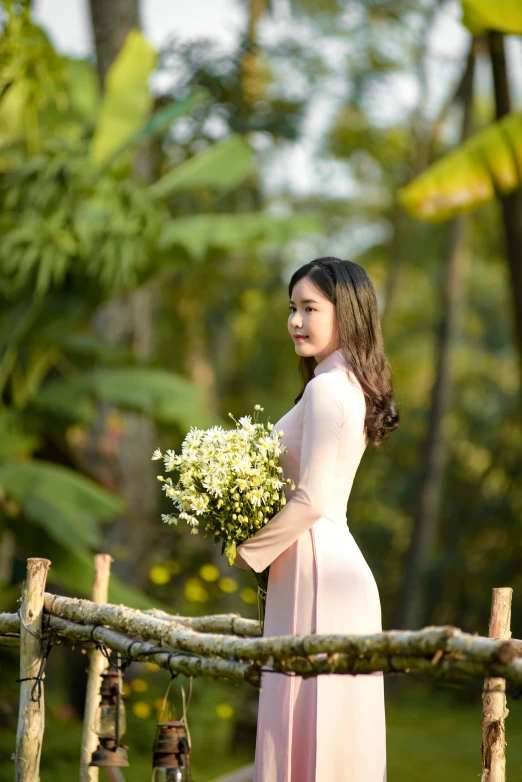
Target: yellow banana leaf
[(487, 165), (502, 15), (127, 101)]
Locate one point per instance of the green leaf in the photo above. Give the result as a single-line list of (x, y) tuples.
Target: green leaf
[(127, 100), (502, 15), (487, 165), (160, 122), (67, 504), (67, 530), (238, 231), (73, 571), (14, 442), (66, 399), (168, 397), (221, 166), (84, 90)]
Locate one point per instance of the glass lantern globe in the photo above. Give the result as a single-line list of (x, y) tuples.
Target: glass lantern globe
[(171, 753)]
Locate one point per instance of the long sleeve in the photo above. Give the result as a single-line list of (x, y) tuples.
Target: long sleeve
[(323, 418)]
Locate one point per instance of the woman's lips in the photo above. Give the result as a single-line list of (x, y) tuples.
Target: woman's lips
[(298, 338)]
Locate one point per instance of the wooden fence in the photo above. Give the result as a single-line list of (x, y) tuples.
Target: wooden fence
[(228, 646)]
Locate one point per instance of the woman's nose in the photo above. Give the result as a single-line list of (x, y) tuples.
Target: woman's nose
[(295, 320)]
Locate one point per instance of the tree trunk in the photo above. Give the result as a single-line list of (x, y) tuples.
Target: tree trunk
[(511, 204), (127, 319), (111, 22), (412, 597)]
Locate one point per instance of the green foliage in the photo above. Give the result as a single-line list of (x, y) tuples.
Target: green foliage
[(67, 504), (73, 570), (61, 226), (15, 443), (242, 231), (158, 123), (221, 166), (41, 92)]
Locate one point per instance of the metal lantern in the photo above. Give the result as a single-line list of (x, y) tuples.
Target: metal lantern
[(171, 753), (111, 723)]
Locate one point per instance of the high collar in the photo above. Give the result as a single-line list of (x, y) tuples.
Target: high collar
[(335, 360)]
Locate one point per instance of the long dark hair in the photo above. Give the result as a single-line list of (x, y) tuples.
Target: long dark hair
[(349, 288)]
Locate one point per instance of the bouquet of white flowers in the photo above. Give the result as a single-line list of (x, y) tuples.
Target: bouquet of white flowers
[(230, 481)]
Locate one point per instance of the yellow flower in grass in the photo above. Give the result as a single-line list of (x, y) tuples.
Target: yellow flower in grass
[(142, 709), (173, 566), (209, 572), (160, 575), (139, 685), (228, 584), (248, 595), (225, 711), (195, 591)]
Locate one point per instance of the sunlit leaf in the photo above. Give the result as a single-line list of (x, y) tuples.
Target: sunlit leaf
[(127, 99), (502, 15), (488, 164)]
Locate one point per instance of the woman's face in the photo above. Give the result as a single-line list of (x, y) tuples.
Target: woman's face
[(312, 315)]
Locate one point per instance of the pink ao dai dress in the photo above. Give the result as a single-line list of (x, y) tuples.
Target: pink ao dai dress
[(331, 727)]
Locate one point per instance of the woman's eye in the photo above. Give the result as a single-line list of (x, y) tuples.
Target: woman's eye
[(293, 308)]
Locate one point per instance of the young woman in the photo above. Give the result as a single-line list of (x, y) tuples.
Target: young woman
[(327, 728)]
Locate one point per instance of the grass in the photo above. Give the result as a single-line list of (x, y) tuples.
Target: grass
[(433, 734)]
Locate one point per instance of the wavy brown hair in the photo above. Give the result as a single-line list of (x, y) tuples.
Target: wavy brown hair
[(349, 288)]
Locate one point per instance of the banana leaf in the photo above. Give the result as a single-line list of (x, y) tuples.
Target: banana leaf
[(84, 90), (166, 396), (66, 504), (221, 166), (127, 100), (487, 165), (15, 443), (197, 233), (73, 571), (159, 123), (502, 15)]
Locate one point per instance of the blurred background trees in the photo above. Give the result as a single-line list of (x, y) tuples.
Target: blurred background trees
[(147, 236)]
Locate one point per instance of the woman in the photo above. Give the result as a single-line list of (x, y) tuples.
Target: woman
[(327, 728)]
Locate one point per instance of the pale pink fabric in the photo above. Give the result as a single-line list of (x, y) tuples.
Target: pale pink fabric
[(329, 728)]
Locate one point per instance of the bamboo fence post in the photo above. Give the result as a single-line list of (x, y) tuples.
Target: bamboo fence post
[(31, 714), (494, 709), (97, 664)]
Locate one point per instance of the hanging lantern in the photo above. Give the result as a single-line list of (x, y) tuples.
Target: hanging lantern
[(111, 723), (171, 753)]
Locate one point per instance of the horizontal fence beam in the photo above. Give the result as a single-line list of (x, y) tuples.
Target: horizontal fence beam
[(441, 652)]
